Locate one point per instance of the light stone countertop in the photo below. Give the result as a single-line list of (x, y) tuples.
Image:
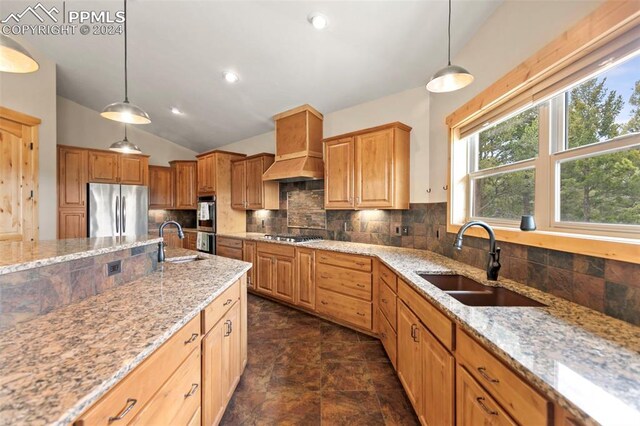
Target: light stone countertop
[(53, 367), (19, 256), (587, 362)]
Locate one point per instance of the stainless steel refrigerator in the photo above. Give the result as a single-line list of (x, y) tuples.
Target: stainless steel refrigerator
[(118, 210)]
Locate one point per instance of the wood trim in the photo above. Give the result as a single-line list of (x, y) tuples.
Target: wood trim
[(606, 22), (19, 117), (250, 157), (296, 110), (395, 124), (219, 151)]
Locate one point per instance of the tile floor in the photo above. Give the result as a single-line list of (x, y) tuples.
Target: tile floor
[(306, 371)]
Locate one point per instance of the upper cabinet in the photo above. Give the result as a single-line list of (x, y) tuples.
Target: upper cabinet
[(368, 169), (160, 187), (112, 167), (248, 190), (103, 167), (185, 184), (206, 174), (72, 177)]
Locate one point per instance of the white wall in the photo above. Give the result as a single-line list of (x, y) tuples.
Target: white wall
[(81, 126), (35, 94)]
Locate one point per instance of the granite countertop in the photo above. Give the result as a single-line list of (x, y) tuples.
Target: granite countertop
[(18, 256), (53, 367), (585, 361), (169, 229)]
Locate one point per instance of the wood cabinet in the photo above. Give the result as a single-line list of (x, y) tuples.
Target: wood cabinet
[(305, 282), (113, 167), (72, 177), (408, 357), (368, 169), (276, 271), (190, 240), (185, 185), (248, 190), (206, 174), (160, 187), (133, 169), (475, 406), (229, 247), (249, 254), (264, 273), (72, 223)]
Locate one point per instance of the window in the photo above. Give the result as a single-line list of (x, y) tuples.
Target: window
[(572, 159)]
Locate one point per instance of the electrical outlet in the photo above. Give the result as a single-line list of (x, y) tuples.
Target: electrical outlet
[(114, 267), (263, 223), (437, 233), (398, 232), (405, 231)]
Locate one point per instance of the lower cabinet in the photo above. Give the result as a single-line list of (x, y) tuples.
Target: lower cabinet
[(305, 282), (190, 240), (72, 223), (275, 271), (229, 247), (475, 405), (249, 254), (409, 355)]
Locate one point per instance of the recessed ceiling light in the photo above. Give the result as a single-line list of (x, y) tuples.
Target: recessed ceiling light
[(318, 20), (176, 111), (231, 77)]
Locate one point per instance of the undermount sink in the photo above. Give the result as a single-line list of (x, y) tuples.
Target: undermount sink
[(472, 293), (184, 259)]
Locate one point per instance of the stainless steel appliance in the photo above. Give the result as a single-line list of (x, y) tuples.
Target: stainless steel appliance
[(206, 224), (290, 238), (118, 210)]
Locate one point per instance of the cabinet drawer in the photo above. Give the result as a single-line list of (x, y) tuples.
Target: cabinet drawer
[(388, 337), (436, 321), (137, 388), (523, 403), (475, 406), (233, 253), (280, 249), (345, 308), (387, 304), (229, 242), (216, 309), (178, 398), (345, 281), (388, 277), (345, 260)]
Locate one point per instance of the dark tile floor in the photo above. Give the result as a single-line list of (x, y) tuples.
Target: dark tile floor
[(306, 371)]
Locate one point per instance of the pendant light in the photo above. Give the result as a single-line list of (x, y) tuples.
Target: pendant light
[(452, 77), (124, 146), (14, 58), (124, 111)]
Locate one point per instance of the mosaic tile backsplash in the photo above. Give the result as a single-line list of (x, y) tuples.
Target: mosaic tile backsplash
[(186, 218), (606, 285)]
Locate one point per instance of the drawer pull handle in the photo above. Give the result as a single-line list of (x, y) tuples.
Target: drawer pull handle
[(227, 332), (360, 313), (483, 373), (227, 302), (384, 300), (487, 410), (383, 335), (360, 285), (360, 263), (323, 302), (130, 404), (194, 388), (414, 332), (191, 339), (325, 276)]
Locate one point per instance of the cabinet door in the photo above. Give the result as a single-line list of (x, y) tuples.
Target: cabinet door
[(103, 167), (206, 171), (474, 406), (338, 174), (305, 283), (249, 255), (172, 240), (264, 273), (72, 224), (232, 358), (238, 185), (255, 186), (213, 392), (283, 278), (374, 169), (133, 170), (408, 356), (438, 368), (160, 187), (72, 177), (184, 175)]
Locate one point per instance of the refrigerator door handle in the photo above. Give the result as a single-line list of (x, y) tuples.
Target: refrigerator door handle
[(124, 214), (117, 214)]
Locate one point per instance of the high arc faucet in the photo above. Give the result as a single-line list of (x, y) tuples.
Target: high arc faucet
[(493, 264), (162, 244)]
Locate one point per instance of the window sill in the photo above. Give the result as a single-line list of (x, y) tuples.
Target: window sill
[(626, 250)]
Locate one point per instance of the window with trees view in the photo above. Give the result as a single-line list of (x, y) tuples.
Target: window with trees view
[(573, 160)]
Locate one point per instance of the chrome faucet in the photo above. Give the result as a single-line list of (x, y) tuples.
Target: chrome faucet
[(493, 265), (162, 244)]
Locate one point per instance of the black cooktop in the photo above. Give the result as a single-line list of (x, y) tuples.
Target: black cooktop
[(290, 238)]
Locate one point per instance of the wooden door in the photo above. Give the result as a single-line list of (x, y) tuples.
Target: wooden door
[(232, 358), (103, 167), (19, 176), (239, 185), (305, 283), (213, 392), (283, 278), (72, 223), (255, 186), (206, 174), (264, 273), (408, 356), (249, 255), (72, 177), (134, 169), (474, 406), (338, 174), (438, 377), (160, 187), (374, 169), (185, 182)]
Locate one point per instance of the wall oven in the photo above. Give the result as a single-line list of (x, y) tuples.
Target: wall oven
[(206, 224)]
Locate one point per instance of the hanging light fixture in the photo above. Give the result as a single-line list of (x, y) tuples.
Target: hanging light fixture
[(124, 146), (452, 77), (14, 58), (125, 112)]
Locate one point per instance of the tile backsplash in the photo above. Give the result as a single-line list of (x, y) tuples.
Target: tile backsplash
[(606, 285), (186, 218)]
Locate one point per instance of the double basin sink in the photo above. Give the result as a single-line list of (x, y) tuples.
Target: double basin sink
[(472, 293)]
